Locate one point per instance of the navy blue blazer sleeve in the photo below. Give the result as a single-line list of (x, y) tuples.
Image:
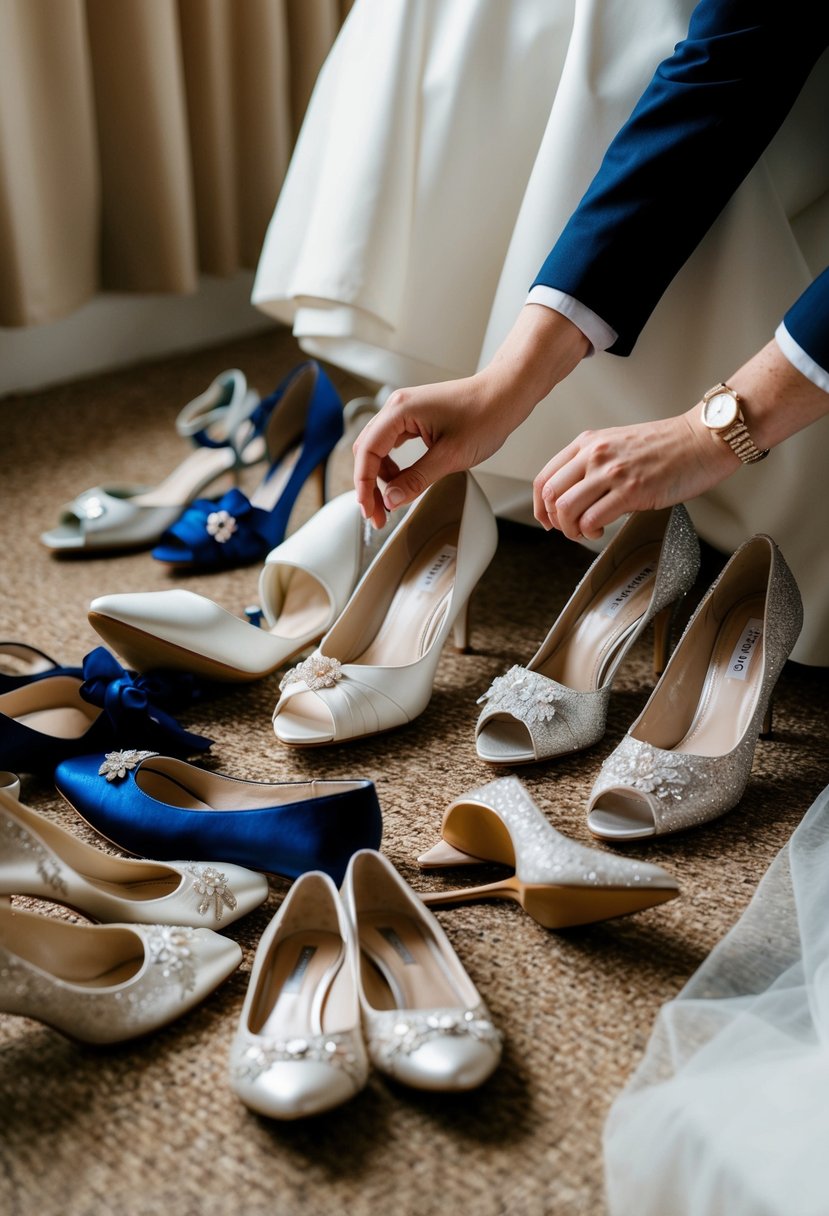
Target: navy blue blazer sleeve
[(699, 127)]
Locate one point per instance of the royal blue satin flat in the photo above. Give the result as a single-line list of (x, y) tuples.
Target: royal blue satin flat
[(30, 665), (301, 422), (62, 715), (160, 807)]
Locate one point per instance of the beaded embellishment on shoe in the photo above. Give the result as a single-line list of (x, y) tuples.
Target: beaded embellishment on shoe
[(339, 1050), (525, 694), (116, 765), (402, 1032), (318, 671), (212, 887)]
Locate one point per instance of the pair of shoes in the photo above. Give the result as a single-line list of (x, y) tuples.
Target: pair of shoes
[(558, 703), (300, 423), (26, 664), (61, 715), (304, 585), (336, 984), (375, 668), (688, 756), (40, 859), (557, 881), (107, 983), (159, 806), (219, 423)]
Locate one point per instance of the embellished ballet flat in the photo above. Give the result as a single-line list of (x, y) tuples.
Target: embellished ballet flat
[(25, 664), (688, 756), (557, 881), (107, 983), (49, 720), (159, 806), (301, 423), (375, 668), (41, 859), (299, 1049), (220, 424), (304, 585), (558, 703), (423, 1019)]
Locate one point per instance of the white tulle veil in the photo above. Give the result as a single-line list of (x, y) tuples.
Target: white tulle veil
[(728, 1113)]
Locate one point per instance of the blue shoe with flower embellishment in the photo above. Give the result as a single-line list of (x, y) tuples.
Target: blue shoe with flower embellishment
[(65, 715), (301, 421), (165, 808)]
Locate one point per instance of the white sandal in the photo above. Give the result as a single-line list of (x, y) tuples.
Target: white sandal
[(375, 668), (218, 422)]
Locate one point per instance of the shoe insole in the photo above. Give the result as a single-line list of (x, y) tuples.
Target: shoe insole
[(227, 794), (64, 723), (731, 686), (401, 966), (304, 988), (305, 609), (96, 957), (268, 492), (194, 473), (585, 655)]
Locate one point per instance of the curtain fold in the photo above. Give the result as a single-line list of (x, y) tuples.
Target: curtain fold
[(144, 142)]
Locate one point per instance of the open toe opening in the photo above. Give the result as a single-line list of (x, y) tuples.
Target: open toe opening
[(305, 720), (505, 741), (621, 815)]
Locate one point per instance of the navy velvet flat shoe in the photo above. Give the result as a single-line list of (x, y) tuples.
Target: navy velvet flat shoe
[(157, 806), (28, 665), (301, 422), (64, 714)]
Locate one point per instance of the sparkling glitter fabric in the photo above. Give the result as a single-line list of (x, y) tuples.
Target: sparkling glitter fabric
[(397, 1033), (252, 1056), (682, 789), (559, 719), (543, 855)]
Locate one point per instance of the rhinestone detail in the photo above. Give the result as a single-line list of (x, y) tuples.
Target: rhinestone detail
[(18, 839), (317, 671), (255, 1056), (402, 1032), (525, 694), (170, 948), (213, 890), (116, 765), (221, 525)]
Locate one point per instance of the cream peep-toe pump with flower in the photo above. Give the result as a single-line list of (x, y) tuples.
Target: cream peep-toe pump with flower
[(687, 757), (41, 859), (557, 704), (375, 668), (557, 881)]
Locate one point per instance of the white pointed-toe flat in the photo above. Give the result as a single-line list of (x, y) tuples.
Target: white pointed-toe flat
[(688, 756), (424, 1021), (557, 881), (375, 668), (304, 585), (558, 703), (107, 983), (41, 859), (299, 1048)]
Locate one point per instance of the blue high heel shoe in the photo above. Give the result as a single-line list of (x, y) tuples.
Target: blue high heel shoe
[(30, 665), (62, 715), (301, 421), (165, 808)]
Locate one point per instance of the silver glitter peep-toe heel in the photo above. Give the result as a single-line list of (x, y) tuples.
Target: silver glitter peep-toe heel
[(688, 756)]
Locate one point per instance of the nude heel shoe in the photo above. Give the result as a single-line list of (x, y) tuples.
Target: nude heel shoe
[(558, 703), (687, 757), (557, 881)]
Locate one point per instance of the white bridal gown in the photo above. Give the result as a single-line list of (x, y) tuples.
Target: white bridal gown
[(445, 145), (728, 1114)]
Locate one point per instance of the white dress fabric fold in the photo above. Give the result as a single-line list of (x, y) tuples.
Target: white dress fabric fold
[(728, 1111), (446, 144)]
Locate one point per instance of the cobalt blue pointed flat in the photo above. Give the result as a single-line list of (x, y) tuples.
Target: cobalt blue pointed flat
[(157, 806), (301, 422), (29, 665), (63, 715)]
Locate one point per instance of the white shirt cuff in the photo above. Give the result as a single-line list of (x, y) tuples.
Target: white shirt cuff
[(598, 332), (803, 362)]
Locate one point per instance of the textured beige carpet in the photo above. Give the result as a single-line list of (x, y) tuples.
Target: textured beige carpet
[(152, 1127)]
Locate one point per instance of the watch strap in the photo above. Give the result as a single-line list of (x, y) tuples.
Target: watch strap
[(737, 435)]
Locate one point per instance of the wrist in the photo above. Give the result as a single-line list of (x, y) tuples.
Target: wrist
[(541, 349), (713, 454)]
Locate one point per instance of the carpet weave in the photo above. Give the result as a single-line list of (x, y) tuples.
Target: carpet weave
[(152, 1127)]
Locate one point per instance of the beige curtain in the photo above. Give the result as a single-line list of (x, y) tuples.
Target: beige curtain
[(143, 142)]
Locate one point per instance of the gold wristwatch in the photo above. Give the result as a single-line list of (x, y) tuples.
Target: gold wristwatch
[(722, 415)]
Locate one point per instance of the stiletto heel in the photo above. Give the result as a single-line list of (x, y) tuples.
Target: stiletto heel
[(766, 728), (558, 703), (662, 638), (301, 423), (460, 629), (687, 757), (556, 881)]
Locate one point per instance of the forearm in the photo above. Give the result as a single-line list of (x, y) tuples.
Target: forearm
[(540, 350)]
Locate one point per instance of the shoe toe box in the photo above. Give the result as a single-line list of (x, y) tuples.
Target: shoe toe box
[(294, 1089), (448, 1063)]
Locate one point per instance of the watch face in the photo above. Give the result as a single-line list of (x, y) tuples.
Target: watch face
[(719, 411)]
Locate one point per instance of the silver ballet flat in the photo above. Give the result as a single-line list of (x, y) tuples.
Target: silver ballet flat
[(106, 983), (299, 1049), (424, 1020), (41, 859), (557, 881), (687, 757), (557, 704)]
